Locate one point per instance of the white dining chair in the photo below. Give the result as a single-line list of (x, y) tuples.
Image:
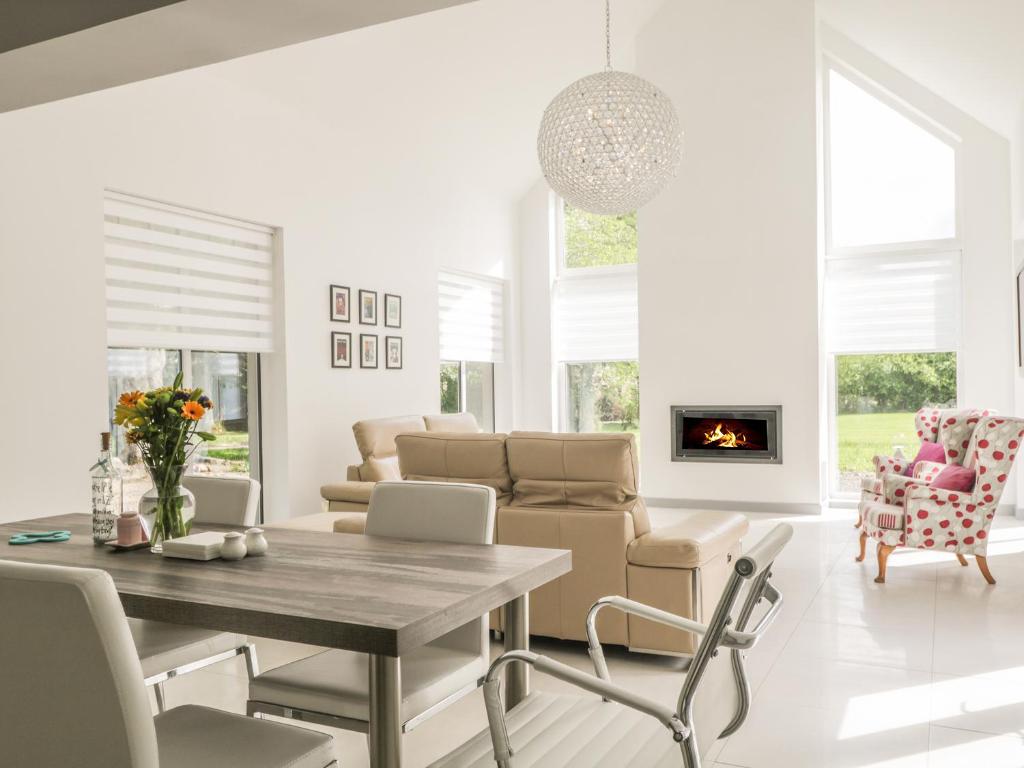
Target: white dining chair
[(615, 726), (170, 650), (331, 687), (72, 692)]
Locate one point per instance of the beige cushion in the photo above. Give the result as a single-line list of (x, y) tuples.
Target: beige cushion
[(350, 522), (334, 682), (452, 422), (163, 646), (200, 737), (375, 470), (696, 540), (376, 437), (477, 458), (590, 470), (350, 490), (318, 521)]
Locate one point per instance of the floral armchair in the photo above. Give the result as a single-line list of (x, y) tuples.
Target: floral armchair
[(901, 511)]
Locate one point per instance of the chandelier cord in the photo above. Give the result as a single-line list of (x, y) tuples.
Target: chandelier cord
[(608, 34)]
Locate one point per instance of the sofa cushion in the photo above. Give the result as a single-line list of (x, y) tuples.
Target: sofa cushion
[(376, 437), (452, 422), (351, 490), (701, 536), (586, 470), (375, 470), (456, 458)]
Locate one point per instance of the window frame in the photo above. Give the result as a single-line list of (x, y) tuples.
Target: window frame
[(462, 387), (564, 396), (911, 248)]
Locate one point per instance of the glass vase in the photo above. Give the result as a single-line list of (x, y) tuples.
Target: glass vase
[(167, 509)]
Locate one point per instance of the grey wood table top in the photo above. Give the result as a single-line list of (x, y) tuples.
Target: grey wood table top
[(361, 593)]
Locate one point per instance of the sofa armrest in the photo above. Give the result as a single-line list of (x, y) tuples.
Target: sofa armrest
[(350, 522), (351, 490), (889, 465), (898, 487), (699, 538)]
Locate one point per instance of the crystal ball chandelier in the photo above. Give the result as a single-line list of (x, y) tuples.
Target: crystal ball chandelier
[(610, 141)]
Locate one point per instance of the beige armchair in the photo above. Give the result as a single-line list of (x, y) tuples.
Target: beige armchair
[(580, 492)]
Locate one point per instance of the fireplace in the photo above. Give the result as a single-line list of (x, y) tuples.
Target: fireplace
[(736, 434)]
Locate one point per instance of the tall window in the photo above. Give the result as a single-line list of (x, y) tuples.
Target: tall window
[(892, 273), (189, 292), (595, 323), (472, 338)]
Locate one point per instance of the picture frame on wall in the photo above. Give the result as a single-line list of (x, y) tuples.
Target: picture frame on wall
[(341, 303), (392, 311), (367, 307), (367, 350), (393, 352), (341, 349)]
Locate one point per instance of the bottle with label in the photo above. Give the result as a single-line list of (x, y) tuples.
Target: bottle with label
[(107, 496)]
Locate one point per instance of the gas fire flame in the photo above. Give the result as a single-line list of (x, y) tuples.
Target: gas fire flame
[(724, 439)]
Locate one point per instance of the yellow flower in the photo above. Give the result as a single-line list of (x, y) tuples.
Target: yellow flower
[(131, 399), (192, 410)]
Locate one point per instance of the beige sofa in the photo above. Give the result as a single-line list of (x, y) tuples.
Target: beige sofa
[(375, 439), (579, 492)]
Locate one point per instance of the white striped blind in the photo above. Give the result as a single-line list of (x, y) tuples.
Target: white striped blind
[(183, 279), (893, 302), (471, 317), (596, 316)]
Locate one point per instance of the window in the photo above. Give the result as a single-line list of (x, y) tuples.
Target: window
[(192, 292), (225, 376), (892, 273), (471, 310), (596, 322), (468, 386)]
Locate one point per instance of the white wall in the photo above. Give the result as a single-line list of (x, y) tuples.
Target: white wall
[(383, 154), (728, 254)]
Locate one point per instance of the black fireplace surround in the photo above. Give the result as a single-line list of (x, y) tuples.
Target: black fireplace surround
[(749, 434)]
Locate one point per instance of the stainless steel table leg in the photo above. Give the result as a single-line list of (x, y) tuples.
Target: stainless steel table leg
[(517, 637), (385, 712)]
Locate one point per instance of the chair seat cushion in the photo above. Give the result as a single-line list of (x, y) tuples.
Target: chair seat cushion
[(200, 737), (697, 539), (335, 682), (887, 516), (163, 646), (551, 731)]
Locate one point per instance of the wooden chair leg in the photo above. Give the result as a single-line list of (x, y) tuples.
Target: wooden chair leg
[(962, 559), (983, 566), (884, 550), (863, 544)]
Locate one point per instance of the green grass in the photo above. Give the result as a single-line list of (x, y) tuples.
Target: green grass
[(618, 426), (864, 435)]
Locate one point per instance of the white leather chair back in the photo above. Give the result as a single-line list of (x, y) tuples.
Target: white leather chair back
[(71, 690), (452, 512), (225, 500)]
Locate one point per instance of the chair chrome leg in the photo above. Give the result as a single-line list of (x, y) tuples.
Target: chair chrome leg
[(161, 702), (251, 665)]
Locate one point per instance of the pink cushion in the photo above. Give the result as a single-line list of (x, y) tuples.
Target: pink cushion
[(954, 478), (929, 451)]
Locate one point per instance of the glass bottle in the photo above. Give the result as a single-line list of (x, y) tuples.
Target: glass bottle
[(107, 497)]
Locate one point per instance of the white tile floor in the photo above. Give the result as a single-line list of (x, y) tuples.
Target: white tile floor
[(925, 671)]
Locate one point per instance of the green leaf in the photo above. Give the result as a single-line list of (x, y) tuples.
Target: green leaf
[(206, 436), (178, 379)]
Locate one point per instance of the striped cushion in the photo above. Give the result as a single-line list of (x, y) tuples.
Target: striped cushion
[(886, 516)]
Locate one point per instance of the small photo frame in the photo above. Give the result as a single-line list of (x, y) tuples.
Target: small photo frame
[(341, 303), (367, 350), (341, 349), (392, 311), (367, 307), (393, 351)]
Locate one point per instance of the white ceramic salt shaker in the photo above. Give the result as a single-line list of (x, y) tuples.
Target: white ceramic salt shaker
[(233, 547), (255, 542)]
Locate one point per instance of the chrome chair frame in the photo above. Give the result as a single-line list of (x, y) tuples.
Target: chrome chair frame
[(251, 665), (754, 567)]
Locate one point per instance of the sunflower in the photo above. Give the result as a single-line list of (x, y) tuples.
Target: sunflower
[(192, 410), (131, 399)]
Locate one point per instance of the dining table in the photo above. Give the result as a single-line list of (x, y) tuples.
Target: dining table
[(380, 596)]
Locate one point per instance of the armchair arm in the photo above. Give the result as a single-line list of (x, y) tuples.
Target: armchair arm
[(941, 495), (357, 491), (608, 691), (926, 471), (896, 488), (889, 465)]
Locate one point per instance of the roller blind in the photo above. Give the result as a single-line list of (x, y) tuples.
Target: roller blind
[(596, 317), (471, 317), (894, 302), (183, 279)]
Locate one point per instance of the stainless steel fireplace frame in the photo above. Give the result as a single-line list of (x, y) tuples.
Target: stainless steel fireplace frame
[(726, 455)]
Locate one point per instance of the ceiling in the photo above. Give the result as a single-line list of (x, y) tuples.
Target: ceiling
[(54, 49)]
